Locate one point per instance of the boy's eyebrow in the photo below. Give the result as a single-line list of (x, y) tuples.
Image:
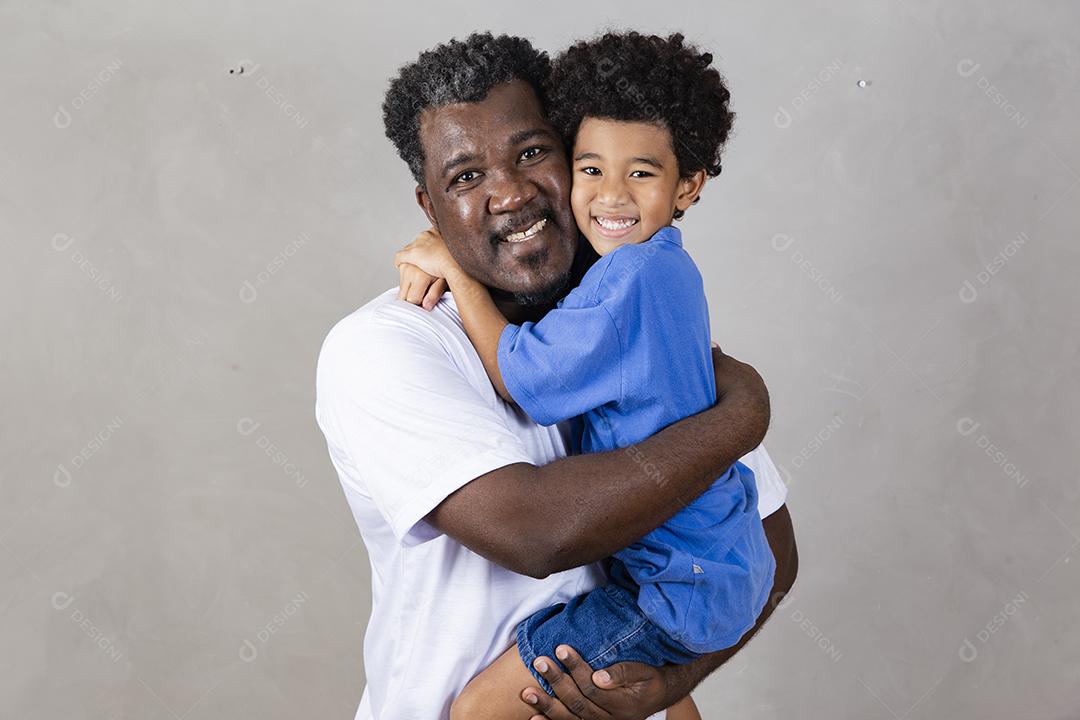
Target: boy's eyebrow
[(640, 159), (649, 161)]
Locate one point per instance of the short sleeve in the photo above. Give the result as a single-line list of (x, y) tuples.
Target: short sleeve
[(772, 492), (566, 364), (409, 426)]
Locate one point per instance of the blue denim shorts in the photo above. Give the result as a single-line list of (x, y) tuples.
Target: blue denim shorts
[(605, 626)]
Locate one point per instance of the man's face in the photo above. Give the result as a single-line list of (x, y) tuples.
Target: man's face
[(498, 190)]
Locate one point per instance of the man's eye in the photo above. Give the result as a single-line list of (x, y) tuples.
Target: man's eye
[(467, 176), (593, 171), (532, 153)]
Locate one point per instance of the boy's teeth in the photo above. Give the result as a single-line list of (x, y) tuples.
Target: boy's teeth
[(615, 224), (526, 234)]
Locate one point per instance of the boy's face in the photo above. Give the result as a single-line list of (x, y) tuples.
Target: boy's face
[(626, 182)]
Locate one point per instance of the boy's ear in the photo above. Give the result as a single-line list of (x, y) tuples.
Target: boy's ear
[(689, 190), (424, 201)]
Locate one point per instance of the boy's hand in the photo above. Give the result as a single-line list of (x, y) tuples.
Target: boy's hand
[(419, 288), (633, 691), (429, 253)]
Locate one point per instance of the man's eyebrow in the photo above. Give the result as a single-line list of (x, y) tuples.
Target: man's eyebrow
[(459, 159), (517, 138), (523, 135)]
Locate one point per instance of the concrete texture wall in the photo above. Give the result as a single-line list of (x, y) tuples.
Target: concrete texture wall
[(892, 243)]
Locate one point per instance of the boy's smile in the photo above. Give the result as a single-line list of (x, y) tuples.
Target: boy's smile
[(626, 182)]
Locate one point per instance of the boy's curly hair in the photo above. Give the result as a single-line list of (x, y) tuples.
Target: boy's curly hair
[(458, 71), (645, 78)]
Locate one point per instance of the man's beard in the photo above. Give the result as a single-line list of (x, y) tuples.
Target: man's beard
[(559, 286), (547, 294), (555, 287)]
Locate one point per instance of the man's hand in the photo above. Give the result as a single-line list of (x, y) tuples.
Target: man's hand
[(624, 691), (730, 373), (428, 252)]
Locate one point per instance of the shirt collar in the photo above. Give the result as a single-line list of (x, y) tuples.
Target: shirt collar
[(668, 233)]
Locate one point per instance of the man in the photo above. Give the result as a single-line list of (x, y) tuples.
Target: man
[(472, 514)]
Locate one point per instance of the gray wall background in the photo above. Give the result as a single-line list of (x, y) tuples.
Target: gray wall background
[(898, 258)]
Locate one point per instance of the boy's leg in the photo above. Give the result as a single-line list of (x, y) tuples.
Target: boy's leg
[(495, 694), (685, 709)]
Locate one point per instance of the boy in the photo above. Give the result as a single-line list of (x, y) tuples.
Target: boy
[(625, 354)]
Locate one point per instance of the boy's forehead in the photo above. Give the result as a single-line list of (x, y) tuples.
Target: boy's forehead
[(624, 130), (624, 137)]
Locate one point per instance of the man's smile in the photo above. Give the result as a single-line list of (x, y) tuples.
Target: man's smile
[(529, 232)]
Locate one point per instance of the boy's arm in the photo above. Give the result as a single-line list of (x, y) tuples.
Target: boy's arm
[(483, 323), (566, 364), (482, 320)]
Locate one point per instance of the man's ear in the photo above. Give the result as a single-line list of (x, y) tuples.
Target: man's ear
[(689, 190), (424, 201)]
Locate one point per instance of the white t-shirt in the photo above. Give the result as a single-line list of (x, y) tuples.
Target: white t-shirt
[(409, 417)]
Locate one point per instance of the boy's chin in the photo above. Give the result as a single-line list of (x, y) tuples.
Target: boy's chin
[(603, 245)]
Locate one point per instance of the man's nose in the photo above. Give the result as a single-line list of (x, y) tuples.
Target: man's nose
[(510, 192)]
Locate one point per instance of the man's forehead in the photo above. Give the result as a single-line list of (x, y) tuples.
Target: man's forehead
[(500, 118)]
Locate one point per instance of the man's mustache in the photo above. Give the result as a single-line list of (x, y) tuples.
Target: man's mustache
[(523, 222)]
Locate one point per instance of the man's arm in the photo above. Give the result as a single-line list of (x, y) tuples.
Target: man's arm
[(578, 510), (635, 690), (680, 680)]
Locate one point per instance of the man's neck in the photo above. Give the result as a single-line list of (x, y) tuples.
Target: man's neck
[(518, 313)]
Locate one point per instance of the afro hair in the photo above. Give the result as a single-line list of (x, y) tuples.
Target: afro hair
[(645, 78)]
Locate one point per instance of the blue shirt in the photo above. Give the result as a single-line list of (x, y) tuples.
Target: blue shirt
[(627, 353)]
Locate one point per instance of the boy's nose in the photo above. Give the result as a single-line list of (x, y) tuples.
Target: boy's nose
[(612, 192)]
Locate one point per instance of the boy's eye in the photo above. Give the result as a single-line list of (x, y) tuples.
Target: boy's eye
[(594, 171), (532, 153), (640, 174)]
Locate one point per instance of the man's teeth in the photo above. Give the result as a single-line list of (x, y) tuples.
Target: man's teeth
[(526, 234), (610, 224)]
